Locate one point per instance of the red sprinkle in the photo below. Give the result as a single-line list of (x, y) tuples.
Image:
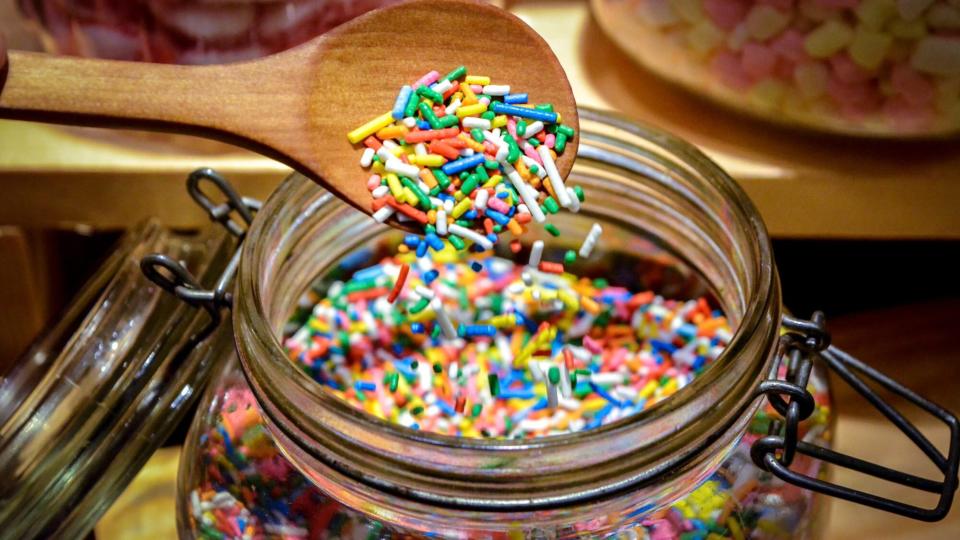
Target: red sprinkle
[(443, 149), (453, 89), (372, 142), (407, 210), (431, 135), (398, 286), (551, 267), (515, 246), (523, 219)]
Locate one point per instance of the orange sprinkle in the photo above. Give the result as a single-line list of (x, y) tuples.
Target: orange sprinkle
[(398, 286)]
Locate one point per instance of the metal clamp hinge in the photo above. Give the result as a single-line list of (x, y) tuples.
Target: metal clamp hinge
[(173, 277), (805, 341)]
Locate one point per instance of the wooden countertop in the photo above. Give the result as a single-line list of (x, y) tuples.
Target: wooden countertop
[(805, 185)]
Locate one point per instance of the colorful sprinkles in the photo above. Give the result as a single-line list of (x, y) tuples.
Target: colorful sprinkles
[(466, 160)]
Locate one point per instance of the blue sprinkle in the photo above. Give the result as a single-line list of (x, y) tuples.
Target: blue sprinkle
[(476, 266), (369, 272), (456, 167), (411, 240), (435, 242), (416, 328), (470, 214), (422, 248), (698, 362), (498, 217), (503, 194), (356, 259), (492, 237), (523, 112), (430, 276), (660, 345), (603, 393), (446, 408), (512, 99), (474, 330), (398, 106), (415, 425), (522, 393), (424, 125), (361, 386)]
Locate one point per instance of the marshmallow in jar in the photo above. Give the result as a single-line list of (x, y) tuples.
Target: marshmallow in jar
[(869, 67)]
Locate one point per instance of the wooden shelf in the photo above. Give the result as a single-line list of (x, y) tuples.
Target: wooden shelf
[(805, 185)]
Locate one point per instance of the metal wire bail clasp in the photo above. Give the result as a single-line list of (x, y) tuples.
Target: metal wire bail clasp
[(805, 341), (173, 277)]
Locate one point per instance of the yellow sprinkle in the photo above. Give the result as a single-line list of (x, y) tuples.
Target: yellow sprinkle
[(469, 110), (493, 181), (589, 304), (480, 80), (648, 390), (670, 387), (499, 121), (515, 228), (432, 216), (372, 127), (472, 144), (377, 167), (396, 188), (429, 160), (568, 299), (735, 529), (593, 404), (423, 316), (410, 196), (460, 208), (502, 321), (469, 98)]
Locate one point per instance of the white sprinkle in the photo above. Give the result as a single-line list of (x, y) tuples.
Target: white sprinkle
[(420, 149), (285, 530), (536, 253), (383, 214), (565, 388), (591, 241), (446, 326), (472, 122), (410, 122), (551, 396), (530, 162), (574, 201), (607, 378), (581, 327), (476, 237), (533, 129), (374, 178), (389, 145), (366, 159), (536, 371), (561, 190), (385, 153), (448, 206), (453, 106), (480, 202), (530, 199), (424, 292), (466, 152), (442, 220), (442, 86), (380, 191), (496, 89), (396, 166), (503, 347)]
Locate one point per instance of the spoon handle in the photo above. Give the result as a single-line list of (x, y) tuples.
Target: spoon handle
[(111, 93)]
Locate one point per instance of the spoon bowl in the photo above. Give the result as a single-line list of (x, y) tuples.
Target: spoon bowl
[(297, 106)]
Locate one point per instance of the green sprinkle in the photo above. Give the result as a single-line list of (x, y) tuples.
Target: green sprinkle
[(463, 223), (477, 408), (469, 185), (456, 74), (521, 128), (435, 191), (551, 205), (477, 135), (533, 142), (416, 411), (488, 115), (359, 285), (435, 333), (449, 120), (430, 228), (494, 383), (560, 143), (491, 164), (428, 114), (550, 228), (535, 168), (442, 179), (497, 228), (579, 191), (411, 108), (420, 306), (544, 107), (457, 243), (429, 93), (424, 201), (601, 283), (414, 364), (554, 375), (481, 174), (569, 257), (566, 130), (376, 159), (394, 381), (438, 368)]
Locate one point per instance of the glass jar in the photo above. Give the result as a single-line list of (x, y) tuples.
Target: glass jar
[(88, 403), (878, 68), (313, 465)]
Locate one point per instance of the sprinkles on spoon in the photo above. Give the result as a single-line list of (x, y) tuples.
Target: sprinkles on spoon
[(466, 159)]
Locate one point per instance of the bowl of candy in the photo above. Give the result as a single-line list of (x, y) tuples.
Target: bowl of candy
[(873, 68)]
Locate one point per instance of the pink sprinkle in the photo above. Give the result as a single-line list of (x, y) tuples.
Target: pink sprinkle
[(374, 182), (758, 61), (532, 154), (847, 71), (550, 140), (497, 204), (617, 358), (726, 14), (915, 88), (427, 79), (477, 89), (512, 127), (592, 345)]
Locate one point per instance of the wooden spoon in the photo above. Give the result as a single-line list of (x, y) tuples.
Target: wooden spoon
[(297, 106)]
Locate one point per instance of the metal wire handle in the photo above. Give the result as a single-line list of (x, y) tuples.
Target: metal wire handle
[(805, 341)]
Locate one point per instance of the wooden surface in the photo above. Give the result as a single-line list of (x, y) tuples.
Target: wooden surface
[(22, 288), (296, 106), (915, 344)]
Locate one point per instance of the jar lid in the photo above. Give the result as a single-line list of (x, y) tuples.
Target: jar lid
[(88, 403)]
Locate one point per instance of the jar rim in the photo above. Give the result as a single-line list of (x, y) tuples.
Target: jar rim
[(251, 318)]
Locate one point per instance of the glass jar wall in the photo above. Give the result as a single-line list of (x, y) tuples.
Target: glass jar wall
[(864, 67), (273, 449)]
